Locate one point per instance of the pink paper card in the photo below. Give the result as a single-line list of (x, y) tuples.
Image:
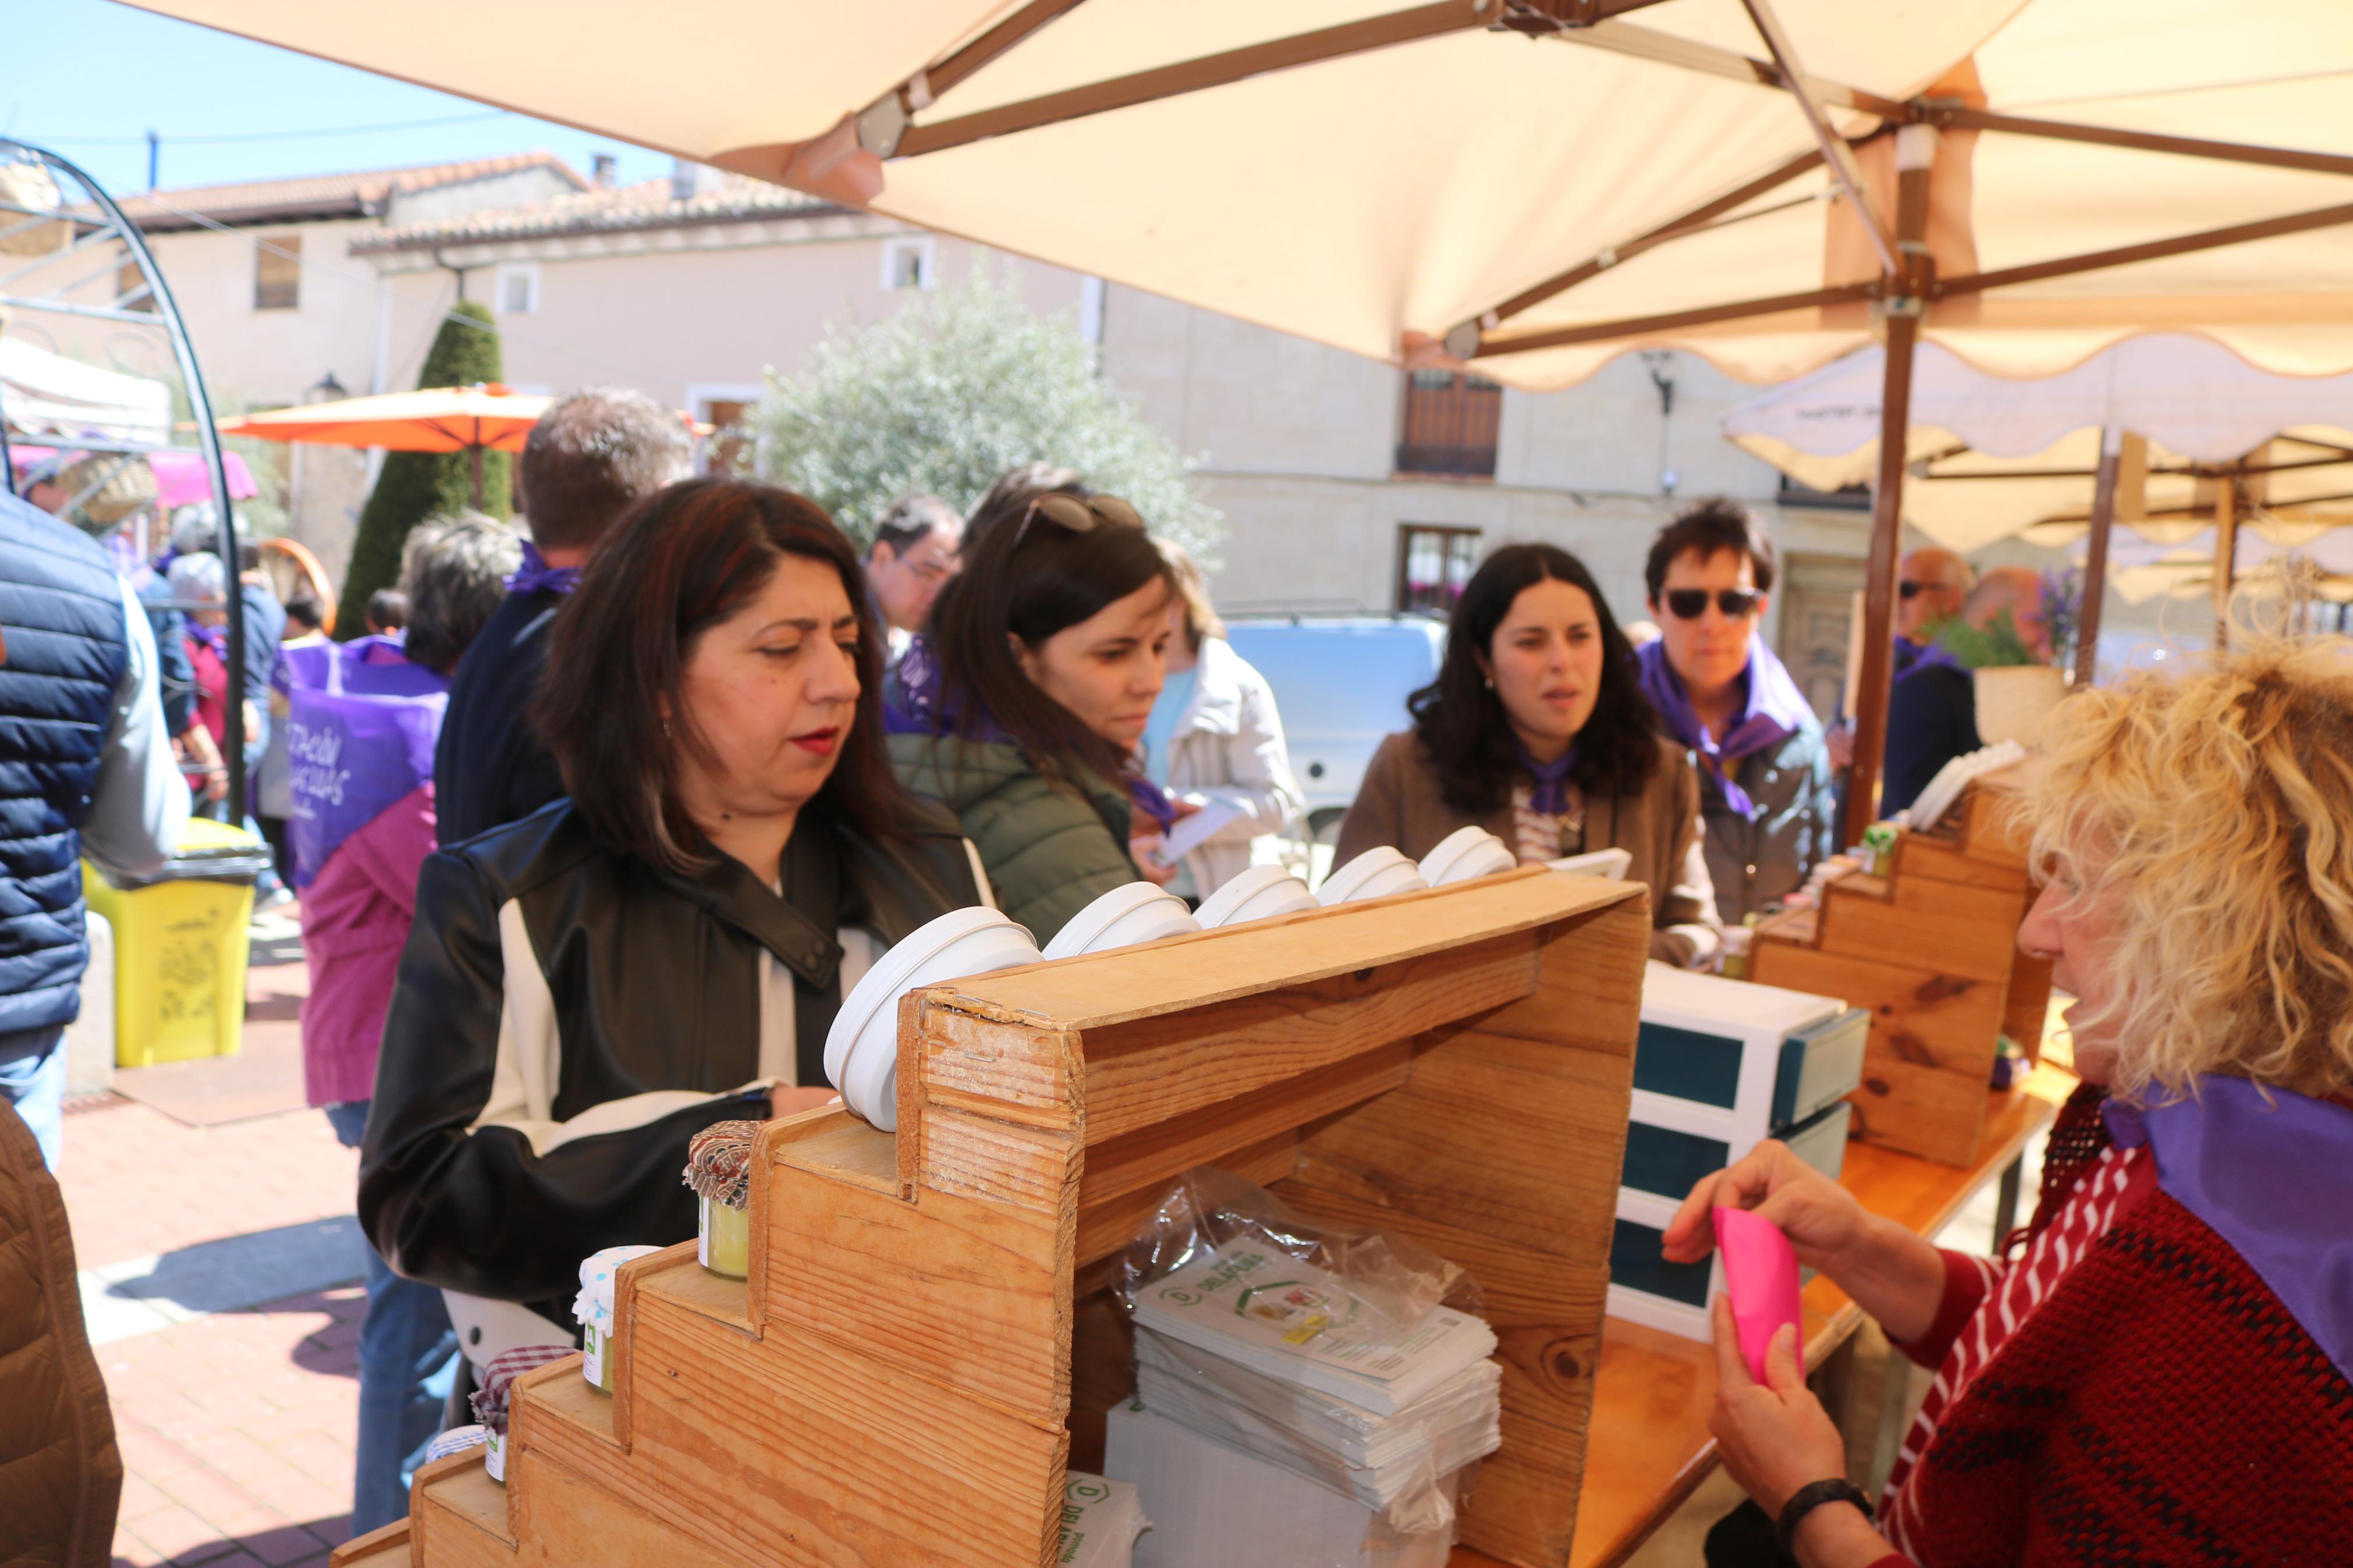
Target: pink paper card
[(1760, 1274)]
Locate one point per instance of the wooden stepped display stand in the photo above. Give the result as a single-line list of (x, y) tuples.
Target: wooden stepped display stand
[(1931, 950), (926, 1339)]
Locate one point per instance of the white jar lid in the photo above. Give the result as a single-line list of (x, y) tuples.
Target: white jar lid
[(1257, 893), (1130, 914), (1376, 874)]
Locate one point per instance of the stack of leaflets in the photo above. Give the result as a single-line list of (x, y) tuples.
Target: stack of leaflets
[(1257, 1350)]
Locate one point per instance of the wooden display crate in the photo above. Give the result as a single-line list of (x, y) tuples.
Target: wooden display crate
[(926, 1341), (1931, 951)]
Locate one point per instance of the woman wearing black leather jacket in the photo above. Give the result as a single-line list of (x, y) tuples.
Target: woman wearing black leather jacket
[(584, 990)]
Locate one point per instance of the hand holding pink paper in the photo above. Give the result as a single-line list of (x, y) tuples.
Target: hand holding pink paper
[(1760, 1274)]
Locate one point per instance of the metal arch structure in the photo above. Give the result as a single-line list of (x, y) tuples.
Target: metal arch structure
[(78, 285)]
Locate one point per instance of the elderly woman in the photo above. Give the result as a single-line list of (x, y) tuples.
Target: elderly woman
[(360, 721), (587, 989), (2158, 1373)]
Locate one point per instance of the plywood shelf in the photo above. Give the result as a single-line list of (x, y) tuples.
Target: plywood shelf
[(924, 1344)]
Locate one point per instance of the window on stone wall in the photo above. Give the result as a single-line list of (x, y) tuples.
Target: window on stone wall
[(908, 263), (1433, 563), (1451, 420), (278, 273), (518, 289)]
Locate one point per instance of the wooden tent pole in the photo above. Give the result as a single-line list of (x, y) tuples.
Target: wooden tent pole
[(2226, 556), (1908, 296), (2095, 563)]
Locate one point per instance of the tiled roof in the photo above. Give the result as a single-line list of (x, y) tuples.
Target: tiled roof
[(361, 195), (732, 199)]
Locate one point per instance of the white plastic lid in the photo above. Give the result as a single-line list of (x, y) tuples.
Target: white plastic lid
[(881, 986), (861, 1049), (1464, 854), (1130, 914), (1376, 874), (1257, 893)]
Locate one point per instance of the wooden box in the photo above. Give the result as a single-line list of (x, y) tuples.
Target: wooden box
[(925, 1342), (1931, 951)]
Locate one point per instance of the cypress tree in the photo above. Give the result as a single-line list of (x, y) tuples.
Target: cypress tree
[(415, 485)]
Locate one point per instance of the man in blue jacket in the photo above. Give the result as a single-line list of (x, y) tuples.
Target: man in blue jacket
[(84, 769)]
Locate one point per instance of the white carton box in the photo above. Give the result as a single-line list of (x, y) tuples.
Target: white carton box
[(1212, 1504)]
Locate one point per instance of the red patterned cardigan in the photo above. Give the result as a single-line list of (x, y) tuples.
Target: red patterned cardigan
[(2160, 1407)]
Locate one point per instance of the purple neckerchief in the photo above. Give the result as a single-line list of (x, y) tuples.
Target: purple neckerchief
[(1933, 655), (1776, 712), (361, 725), (1550, 795), (914, 704), (213, 637), (1150, 799), (2274, 1179), (536, 576)]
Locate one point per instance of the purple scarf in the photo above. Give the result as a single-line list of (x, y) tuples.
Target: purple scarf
[(1776, 710), (213, 637), (2274, 1180), (913, 703), (1551, 793), (359, 730), (536, 576)]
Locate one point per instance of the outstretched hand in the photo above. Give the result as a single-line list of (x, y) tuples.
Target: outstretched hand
[(784, 1099)]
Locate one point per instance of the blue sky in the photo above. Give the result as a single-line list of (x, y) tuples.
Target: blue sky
[(87, 78)]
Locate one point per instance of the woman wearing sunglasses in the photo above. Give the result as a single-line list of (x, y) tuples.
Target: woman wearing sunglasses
[(1764, 768), (1535, 731), (1021, 702)]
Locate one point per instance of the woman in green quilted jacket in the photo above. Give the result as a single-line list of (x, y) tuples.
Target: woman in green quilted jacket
[(1020, 703)]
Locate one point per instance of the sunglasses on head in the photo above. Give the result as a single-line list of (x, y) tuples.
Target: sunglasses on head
[(1074, 515), (1691, 604)]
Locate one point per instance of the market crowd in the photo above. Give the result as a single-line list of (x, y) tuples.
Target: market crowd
[(594, 828)]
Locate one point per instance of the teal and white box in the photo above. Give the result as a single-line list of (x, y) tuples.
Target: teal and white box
[(1720, 1065)]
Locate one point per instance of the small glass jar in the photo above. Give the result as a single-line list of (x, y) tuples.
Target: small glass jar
[(724, 1238)]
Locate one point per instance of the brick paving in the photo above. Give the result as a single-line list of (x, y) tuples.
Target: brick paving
[(235, 1428)]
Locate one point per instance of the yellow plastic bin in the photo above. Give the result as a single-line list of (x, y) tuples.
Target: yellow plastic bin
[(180, 946)]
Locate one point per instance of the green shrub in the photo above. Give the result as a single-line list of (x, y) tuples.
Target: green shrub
[(951, 391), (415, 485)]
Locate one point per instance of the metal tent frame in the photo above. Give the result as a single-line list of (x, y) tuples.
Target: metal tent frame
[(50, 285)]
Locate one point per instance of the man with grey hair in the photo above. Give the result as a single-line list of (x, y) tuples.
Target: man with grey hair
[(592, 457), (911, 558)]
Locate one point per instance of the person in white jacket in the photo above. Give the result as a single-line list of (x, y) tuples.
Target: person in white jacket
[(1215, 741)]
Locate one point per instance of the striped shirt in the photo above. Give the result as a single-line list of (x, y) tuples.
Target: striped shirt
[(1542, 835), (2008, 1294)]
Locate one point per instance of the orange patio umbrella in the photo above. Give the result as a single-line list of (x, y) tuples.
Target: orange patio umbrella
[(483, 417)]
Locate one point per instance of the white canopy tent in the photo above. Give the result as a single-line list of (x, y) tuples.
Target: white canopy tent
[(1536, 185), (1990, 457), (48, 396)]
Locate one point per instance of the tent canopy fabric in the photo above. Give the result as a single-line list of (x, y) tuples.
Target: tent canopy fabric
[(438, 419), (1379, 198), (47, 394), (2031, 446)]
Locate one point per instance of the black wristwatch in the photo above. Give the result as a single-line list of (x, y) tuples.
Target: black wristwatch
[(1811, 1496)]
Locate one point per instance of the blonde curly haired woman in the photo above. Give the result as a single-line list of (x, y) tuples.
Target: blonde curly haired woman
[(2157, 1372)]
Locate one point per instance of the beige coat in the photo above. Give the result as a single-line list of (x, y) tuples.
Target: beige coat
[(1400, 804), (1228, 746)]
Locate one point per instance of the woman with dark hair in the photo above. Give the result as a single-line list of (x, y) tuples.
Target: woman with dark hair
[(1536, 731), (588, 988), (1021, 703)]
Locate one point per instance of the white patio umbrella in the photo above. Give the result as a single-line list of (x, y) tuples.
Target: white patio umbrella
[(1993, 455), (1534, 184)]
